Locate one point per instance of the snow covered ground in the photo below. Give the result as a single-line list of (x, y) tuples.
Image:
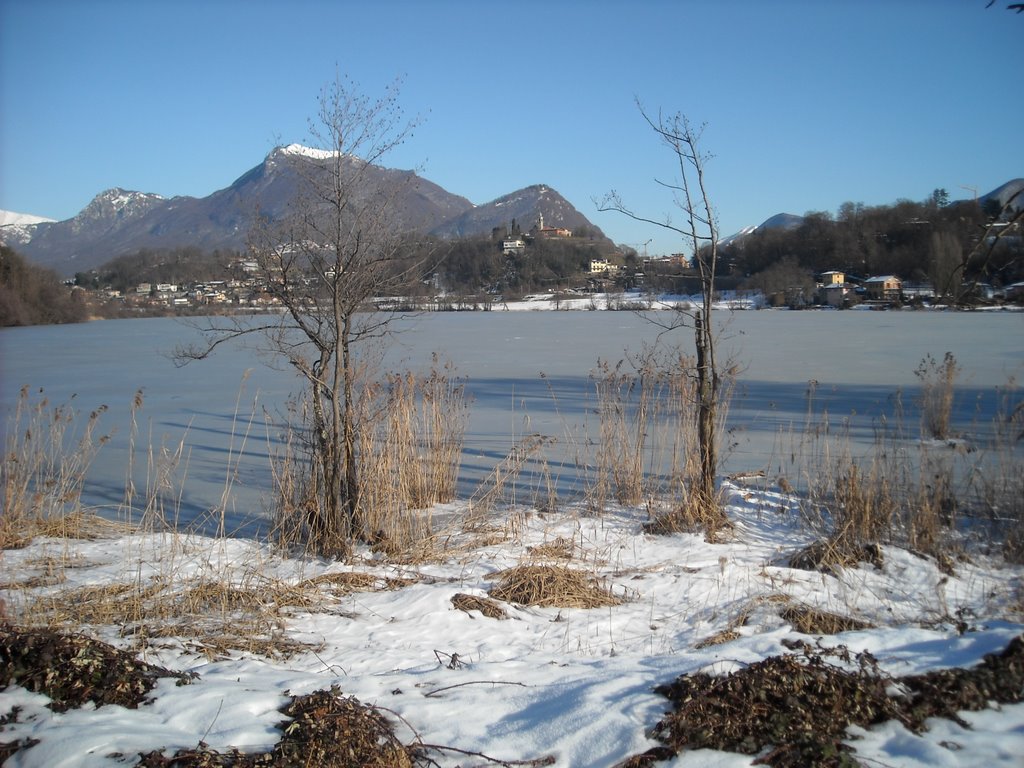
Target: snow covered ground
[(571, 683), (628, 300)]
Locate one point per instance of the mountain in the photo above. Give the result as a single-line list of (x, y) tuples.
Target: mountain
[(525, 207), (119, 222), (1002, 195), (17, 228), (778, 221), (12, 219)]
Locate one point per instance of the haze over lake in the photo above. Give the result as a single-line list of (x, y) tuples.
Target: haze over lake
[(526, 372)]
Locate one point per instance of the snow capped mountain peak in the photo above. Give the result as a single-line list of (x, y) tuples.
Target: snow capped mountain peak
[(778, 221), (301, 150), (119, 199), (748, 230), (17, 228), (114, 207), (10, 218)]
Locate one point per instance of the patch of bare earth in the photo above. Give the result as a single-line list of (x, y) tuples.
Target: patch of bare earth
[(72, 670), (793, 710), (322, 728)]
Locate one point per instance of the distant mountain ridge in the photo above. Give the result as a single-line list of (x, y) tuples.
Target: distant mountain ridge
[(778, 221), (118, 222), (1012, 190)]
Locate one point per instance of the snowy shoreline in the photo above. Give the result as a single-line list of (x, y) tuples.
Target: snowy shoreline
[(575, 684)]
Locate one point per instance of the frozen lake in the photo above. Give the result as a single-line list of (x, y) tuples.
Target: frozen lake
[(527, 373)]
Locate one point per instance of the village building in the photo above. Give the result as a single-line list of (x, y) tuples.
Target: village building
[(836, 294), (884, 288), (511, 245), (832, 277), (542, 231)]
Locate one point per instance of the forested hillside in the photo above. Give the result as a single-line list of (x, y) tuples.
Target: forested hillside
[(31, 295), (933, 242)]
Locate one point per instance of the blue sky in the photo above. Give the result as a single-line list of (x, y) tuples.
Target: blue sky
[(808, 103)]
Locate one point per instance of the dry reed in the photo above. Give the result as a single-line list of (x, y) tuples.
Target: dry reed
[(646, 445), (898, 490), (409, 444), (938, 386), (44, 466), (648, 449)]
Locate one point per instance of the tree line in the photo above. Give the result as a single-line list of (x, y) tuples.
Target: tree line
[(479, 265)]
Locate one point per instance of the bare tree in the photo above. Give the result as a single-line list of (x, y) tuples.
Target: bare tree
[(337, 249), (1018, 7), (699, 229), (945, 258), (1001, 228)]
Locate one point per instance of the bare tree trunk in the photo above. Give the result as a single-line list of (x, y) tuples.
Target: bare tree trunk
[(348, 441), (707, 412)]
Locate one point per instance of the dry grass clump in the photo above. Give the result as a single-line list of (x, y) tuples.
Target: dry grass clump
[(796, 708), (34, 582), (214, 617), (888, 499), (500, 487), (560, 548), (902, 490), (719, 638), (741, 619), (212, 597), (115, 604), (75, 524), (811, 621), (832, 554), (1001, 489), (157, 601), (486, 606), (347, 582), (552, 586)]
